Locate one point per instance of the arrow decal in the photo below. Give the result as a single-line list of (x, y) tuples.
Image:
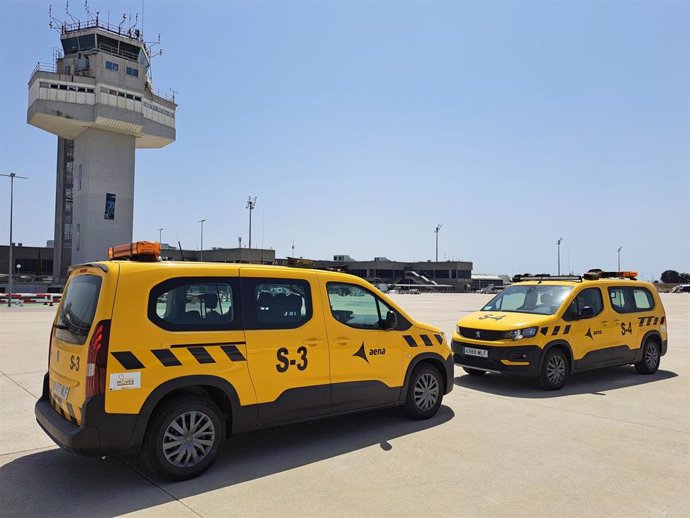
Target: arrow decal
[(361, 353)]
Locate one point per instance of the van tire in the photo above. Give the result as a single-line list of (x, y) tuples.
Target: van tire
[(474, 372), (651, 357), (424, 392), (554, 370), (205, 428)]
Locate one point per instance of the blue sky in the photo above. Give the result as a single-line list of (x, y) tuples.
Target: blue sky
[(361, 125)]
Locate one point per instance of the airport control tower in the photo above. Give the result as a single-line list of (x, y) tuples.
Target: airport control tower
[(98, 99)]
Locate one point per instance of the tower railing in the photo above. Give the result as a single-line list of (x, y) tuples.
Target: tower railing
[(135, 34), (52, 68)]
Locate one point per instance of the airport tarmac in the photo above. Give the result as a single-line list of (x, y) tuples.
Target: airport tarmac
[(611, 443)]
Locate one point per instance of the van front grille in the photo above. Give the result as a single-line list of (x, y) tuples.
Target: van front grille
[(481, 334)]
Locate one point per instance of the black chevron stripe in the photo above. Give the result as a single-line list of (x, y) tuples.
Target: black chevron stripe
[(233, 353), (128, 360), (410, 341), (201, 355), (166, 357)]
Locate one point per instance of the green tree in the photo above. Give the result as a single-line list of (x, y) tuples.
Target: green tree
[(670, 277)]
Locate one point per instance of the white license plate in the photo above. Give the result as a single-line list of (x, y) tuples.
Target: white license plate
[(60, 391), (471, 351)]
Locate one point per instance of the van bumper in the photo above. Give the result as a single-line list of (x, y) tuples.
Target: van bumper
[(519, 359), (449, 365), (99, 434)]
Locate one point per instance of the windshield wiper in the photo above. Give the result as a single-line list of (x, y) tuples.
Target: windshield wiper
[(60, 326)]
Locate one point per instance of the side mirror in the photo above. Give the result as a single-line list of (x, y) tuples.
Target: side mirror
[(585, 312), (391, 321)]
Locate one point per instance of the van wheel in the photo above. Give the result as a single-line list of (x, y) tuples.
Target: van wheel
[(184, 438), (424, 393), (554, 370), (651, 357), (474, 372)]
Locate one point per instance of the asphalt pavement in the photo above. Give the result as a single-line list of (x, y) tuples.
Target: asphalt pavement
[(611, 443)]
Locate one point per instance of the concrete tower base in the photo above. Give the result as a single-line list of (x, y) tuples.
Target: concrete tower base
[(103, 193)]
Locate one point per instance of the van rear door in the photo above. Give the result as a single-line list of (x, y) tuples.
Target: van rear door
[(82, 320)]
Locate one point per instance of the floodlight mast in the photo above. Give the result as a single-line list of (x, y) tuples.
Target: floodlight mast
[(436, 231), (11, 176), (201, 250), (251, 204), (560, 239)]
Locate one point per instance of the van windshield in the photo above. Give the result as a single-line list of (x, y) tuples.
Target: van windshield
[(78, 309), (537, 299)]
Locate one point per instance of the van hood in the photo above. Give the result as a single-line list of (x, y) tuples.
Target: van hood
[(428, 328), (503, 320)]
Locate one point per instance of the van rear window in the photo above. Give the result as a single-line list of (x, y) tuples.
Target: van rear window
[(78, 309)]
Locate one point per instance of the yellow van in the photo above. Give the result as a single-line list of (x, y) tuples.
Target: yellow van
[(547, 327), (170, 358)]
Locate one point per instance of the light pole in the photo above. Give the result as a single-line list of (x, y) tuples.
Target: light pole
[(619, 257), (251, 204), (11, 176), (160, 235), (559, 254), (438, 227), (201, 252)]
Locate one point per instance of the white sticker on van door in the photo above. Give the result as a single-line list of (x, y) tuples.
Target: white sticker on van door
[(125, 381)]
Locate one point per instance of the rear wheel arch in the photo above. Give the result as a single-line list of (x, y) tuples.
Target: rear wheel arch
[(563, 346), (216, 389), (651, 335)]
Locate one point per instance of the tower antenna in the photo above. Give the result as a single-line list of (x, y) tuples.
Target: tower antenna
[(89, 17), (74, 20), (124, 19), (53, 22)]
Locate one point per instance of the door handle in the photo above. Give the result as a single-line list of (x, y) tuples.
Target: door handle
[(312, 342), (342, 341)]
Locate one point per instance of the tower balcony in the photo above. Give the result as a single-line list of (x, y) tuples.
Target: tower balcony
[(69, 104)]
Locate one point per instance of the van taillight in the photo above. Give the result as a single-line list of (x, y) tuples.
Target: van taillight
[(50, 346), (97, 359)]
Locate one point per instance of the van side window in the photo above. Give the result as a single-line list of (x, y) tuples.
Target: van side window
[(359, 308), (276, 303), (588, 297), (621, 300), (195, 304), (643, 299)]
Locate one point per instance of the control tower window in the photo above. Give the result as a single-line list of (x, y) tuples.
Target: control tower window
[(79, 43), (132, 71), (112, 66), (109, 206)]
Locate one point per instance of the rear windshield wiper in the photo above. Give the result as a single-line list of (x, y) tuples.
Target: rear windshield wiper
[(60, 326)]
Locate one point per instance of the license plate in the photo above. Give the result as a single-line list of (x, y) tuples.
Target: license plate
[(60, 391), (471, 351)]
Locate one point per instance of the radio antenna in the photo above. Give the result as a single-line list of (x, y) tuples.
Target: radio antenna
[(74, 20)]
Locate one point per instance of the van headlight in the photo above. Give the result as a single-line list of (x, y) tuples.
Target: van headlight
[(517, 334)]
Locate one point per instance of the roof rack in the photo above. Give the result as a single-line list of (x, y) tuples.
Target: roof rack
[(596, 274), (296, 262), (545, 277)]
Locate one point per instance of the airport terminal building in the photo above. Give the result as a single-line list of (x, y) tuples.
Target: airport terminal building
[(452, 275)]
